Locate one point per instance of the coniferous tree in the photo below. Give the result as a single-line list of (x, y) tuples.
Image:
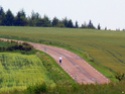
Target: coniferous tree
[(35, 19), (2, 16), (84, 25), (70, 24), (90, 25), (98, 27), (65, 22), (46, 21), (105, 28), (21, 19), (9, 19), (55, 22), (76, 24), (61, 24), (39, 22)]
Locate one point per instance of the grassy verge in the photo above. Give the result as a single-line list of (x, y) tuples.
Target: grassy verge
[(55, 72), (111, 88)]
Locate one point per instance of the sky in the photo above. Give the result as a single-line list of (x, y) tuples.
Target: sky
[(107, 13)]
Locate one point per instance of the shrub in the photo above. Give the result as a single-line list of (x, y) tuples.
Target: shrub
[(24, 48), (37, 89), (120, 76)]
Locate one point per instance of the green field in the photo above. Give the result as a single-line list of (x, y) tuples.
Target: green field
[(102, 49), (18, 71)]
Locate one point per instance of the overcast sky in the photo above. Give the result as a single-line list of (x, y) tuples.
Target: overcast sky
[(109, 13)]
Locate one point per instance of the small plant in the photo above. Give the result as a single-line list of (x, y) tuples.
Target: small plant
[(120, 76), (37, 89)]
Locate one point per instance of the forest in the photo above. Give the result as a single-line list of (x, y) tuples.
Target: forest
[(7, 18)]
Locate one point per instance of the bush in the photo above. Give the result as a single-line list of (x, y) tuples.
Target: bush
[(37, 89), (120, 76), (24, 48)]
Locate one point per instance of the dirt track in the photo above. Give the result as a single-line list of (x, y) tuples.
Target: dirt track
[(75, 66)]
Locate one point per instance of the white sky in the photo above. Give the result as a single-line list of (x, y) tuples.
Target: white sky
[(110, 13)]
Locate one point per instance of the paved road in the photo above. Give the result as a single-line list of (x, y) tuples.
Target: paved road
[(75, 66)]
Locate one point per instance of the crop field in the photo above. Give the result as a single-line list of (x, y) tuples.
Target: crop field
[(19, 71), (105, 50)]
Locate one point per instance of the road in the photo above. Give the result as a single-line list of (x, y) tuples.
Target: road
[(75, 66)]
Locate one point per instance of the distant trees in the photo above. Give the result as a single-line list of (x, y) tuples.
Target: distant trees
[(46, 22), (20, 19), (55, 22), (84, 25), (76, 24), (62, 23), (8, 19), (89, 25), (35, 19), (69, 24), (2, 16), (98, 27)]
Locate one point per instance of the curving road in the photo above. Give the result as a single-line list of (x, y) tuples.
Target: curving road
[(76, 67)]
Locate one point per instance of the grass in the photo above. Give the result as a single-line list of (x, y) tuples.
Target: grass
[(102, 49), (19, 71), (112, 88), (56, 73)]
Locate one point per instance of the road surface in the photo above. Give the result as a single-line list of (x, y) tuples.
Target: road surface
[(75, 66)]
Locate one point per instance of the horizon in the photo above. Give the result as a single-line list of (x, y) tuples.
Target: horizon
[(106, 13)]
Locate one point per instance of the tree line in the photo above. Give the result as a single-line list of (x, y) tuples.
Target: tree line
[(20, 19)]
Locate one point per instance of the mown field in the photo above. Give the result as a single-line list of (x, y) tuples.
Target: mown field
[(102, 49)]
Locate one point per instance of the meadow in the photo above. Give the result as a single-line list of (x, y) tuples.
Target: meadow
[(102, 49)]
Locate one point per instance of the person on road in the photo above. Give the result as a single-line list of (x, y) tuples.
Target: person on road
[(60, 59)]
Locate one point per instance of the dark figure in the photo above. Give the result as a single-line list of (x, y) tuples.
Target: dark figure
[(60, 59)]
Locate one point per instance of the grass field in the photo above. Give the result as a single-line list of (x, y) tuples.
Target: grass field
[(103, 49)]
